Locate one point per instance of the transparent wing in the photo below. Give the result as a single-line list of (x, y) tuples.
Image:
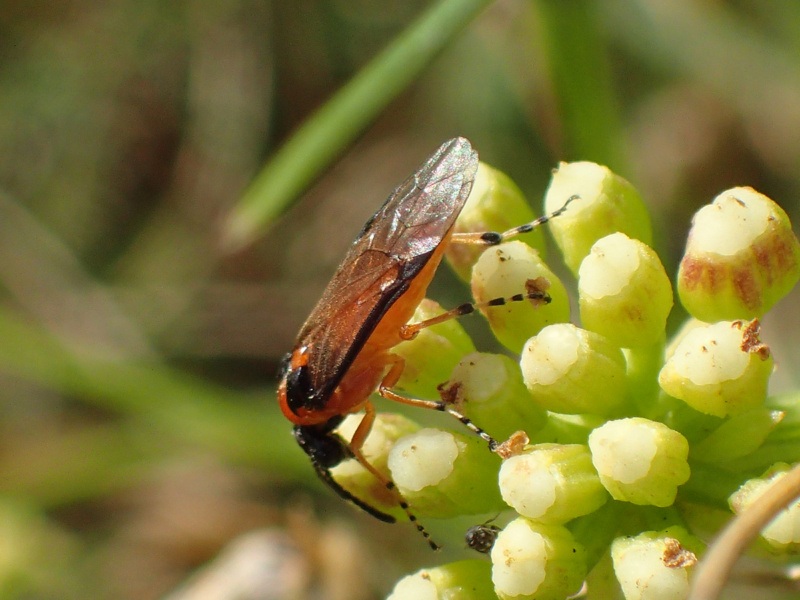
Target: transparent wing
[(389, 252)]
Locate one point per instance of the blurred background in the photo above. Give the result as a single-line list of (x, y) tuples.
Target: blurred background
[(142, 454)]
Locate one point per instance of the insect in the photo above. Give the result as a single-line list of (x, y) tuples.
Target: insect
[(343, 351), (481, 538)]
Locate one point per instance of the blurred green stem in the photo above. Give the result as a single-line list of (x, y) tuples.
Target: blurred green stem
[(315, 144), (582, 81), (160, 405)]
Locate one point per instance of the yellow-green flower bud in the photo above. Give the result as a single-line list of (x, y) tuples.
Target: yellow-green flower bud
[(571, 370), (515, 268), (783, 532), (607, 203), (552, 483), (533, 560), (640, 461), (655, 565), (431, 356), (488, 388), (741, 257), (494, 204), (625, 293), (464, 580), (443, 474), (738, 436), (386, 430), (689, 325), (720, 369)]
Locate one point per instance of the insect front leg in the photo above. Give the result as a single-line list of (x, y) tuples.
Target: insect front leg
[(356, 445), (326, 449)]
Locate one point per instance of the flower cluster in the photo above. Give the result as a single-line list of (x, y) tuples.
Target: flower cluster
[(635, 447)]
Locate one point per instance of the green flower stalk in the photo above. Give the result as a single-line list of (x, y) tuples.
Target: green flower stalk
[(444, 474), (432, 355), (643, 365), (606, 204), (552, 483), (352, 476), (738, 436), (655, 565), (571, 370), (495, 204), (782, 535), (640, 461), (464, 580), (567, 429), (488, 388), (624, 292), (516, 268), (741, 257), (533, 560), (721, 369)]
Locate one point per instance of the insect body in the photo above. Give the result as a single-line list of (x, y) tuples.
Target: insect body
[(343, 351), (481, 538)]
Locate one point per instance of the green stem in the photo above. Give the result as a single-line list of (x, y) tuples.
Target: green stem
[(582, 80), (343, 117), (597, 530), (710, 486), (644, 364)]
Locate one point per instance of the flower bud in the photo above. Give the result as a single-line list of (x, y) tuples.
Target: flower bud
[(741, 257), (494, 204), (432, 354), (606, 203), (783, 532), (552, 483), (464, 580), (571, 370), (533, 560), (443, 474), (689, 325), (514, 268), (488, 388), (640, 461), (654, 565), (352, 476), (721, 369), (625, 293)]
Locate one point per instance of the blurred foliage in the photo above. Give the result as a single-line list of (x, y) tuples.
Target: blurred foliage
[(139, 430)]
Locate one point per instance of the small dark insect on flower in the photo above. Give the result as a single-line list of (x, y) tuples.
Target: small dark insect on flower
[(343, 351), (481, 538)]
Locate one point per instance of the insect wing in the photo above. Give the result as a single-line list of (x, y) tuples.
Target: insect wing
[(392, 248)]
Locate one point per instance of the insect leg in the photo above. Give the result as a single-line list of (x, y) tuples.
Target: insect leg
[(535, 292), (326, 449), (356, 443), (391, 380), (492, 238)]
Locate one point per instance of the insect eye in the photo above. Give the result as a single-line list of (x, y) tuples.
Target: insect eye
[(286, 365), (300, 392), (326, 449)]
